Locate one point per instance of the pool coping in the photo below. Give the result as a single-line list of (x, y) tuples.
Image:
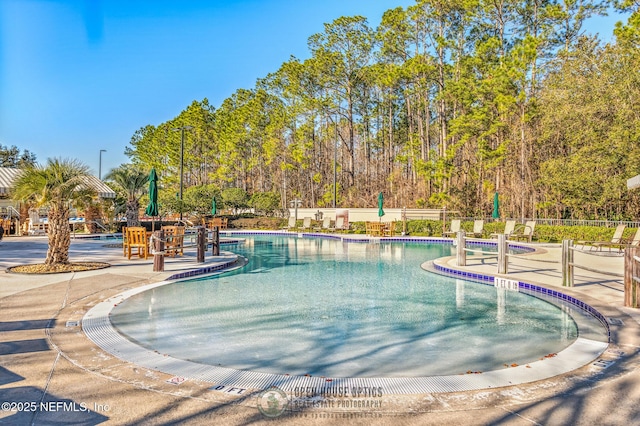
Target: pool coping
[(97, 326)]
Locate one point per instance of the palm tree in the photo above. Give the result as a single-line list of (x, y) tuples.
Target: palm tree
[(132, 182), (57, 185)]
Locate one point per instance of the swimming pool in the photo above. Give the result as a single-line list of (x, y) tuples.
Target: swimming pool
[(322, 307)]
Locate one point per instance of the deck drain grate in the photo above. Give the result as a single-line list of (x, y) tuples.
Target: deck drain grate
[(603, 363)]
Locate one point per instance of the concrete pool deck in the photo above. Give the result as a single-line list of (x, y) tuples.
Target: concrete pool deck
[(45, 357)]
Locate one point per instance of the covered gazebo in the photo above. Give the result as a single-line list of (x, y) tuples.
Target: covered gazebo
[(10, 217)]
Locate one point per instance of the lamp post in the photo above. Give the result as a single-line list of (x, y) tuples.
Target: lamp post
[(295, 203), (100, 164), (335, 166), (181, 129)]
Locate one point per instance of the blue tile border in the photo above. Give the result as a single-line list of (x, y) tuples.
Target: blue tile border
[(205, 270), (532, 290)]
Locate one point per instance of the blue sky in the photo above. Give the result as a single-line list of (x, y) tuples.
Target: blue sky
[(78, 76)]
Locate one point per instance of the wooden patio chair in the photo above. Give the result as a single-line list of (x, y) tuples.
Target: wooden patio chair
[(220, 222), (124, 241), (174, 236), (375, 229), (137, 239), (390, 229)]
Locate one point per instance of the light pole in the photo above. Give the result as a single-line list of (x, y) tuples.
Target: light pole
[(100, 164), (295, 203), (335, 166), (182, 129)]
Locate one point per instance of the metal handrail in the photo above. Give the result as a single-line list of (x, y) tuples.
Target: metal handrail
[(562, 222), (515, 256), (9, 211)]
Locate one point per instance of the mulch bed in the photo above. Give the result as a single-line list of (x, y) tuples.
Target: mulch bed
[(41, 268)]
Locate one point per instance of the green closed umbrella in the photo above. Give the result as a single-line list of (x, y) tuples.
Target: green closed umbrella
[(380, 202), (214, 207), (496, 206), (152, 208)]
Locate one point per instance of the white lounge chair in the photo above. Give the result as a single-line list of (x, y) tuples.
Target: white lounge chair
[(478, 228), (326, 224), (306, 224), (526, 233), (509, 227), (454, 228)]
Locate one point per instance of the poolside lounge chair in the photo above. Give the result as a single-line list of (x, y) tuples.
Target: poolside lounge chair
[(339, 225), (454, 228), (306, 223), (509, 227), (326, 224), (526, 233), (478, 228), (291, 224), (137, 239), (635, 241), (616, 241)]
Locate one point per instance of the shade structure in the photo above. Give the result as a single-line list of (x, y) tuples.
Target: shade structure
[(214, 207), (380, 203), (496, 207), (152, 208)]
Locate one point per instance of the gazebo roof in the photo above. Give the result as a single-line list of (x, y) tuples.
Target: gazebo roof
[(8, 175)]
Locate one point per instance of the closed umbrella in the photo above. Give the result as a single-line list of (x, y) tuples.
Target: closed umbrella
[(152, 208), (380, 203), (496, 207)]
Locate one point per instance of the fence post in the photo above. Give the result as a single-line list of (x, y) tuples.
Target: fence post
[(503, 248), (215, 241), (158, 249), (202, 244), (444, 220), (404, 221), (567, 263), (461, 253), (631, 293)]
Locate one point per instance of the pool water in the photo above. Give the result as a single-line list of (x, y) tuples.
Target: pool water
[(331, 308)]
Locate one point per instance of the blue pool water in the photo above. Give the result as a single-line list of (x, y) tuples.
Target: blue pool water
[(336, 309)]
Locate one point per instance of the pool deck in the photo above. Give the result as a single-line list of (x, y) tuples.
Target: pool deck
[(46, 358)]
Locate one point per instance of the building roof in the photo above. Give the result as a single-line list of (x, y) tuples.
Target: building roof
[(8, 175)]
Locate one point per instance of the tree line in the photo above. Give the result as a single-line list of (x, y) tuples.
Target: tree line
[(444, 103)]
